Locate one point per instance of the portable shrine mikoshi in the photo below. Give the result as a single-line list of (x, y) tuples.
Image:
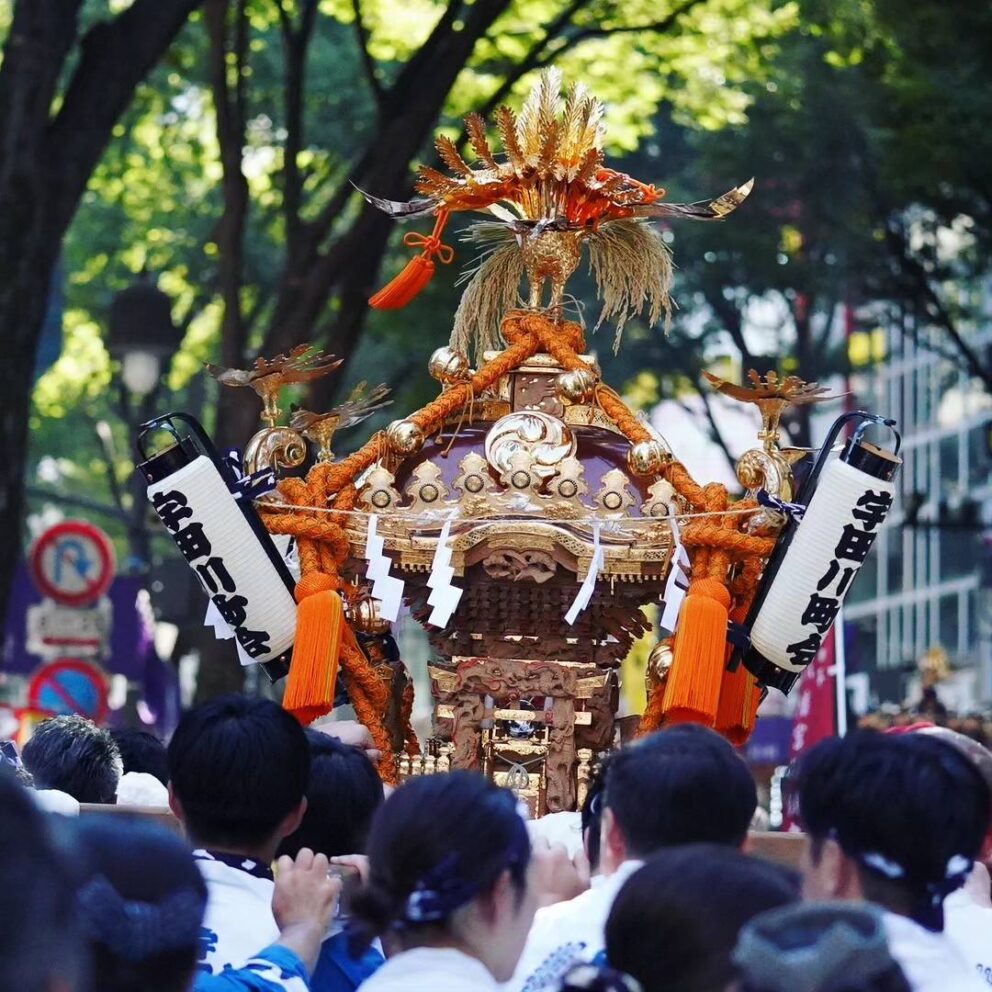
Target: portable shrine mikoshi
[(525, 515)]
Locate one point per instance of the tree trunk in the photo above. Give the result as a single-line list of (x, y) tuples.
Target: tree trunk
[(45, 164)]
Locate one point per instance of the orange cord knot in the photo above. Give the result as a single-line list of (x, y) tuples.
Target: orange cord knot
[(315, 582), (713, 588), (432, 246)]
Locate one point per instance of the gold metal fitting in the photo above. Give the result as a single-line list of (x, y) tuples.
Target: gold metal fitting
[(404, 437), (660, 662), (575, 385), (448, 366), (648, 457)]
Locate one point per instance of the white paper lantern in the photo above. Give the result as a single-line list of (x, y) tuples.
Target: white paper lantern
[(229, 557), (826, 552)]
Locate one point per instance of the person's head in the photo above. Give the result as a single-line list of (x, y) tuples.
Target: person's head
[(75, 756), (41, 949), (343, 793), (142, 752), (449, 858), (980, 757), (141, 900), (681, 785), (820, 947), (674, 923), (238, 772), (895, 820)]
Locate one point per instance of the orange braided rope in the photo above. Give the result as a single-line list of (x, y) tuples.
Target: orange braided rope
[(412, 745), (717, 545)]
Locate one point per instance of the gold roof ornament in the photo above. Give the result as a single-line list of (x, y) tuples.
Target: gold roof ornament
[(547, 194), (320, 428), (276, 447), (770, 466), (268, 376)]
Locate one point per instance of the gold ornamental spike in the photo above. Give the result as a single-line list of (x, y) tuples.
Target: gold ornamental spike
[(772, 395), (320, 428), (770, 466), (269, 375)]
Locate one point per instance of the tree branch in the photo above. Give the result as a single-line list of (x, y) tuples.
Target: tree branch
[(368, 62), (715, 433), (532, 58), (231, 123), (915, 272), (39, 41), (297, 44), (116, 56), (544, 52), (730, 316)]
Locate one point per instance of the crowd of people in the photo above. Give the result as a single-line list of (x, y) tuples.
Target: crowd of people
[(288, 867), (929, 709)]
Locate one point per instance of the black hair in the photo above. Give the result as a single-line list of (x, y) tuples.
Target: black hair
[(591, 815), (343, 793), (141, 900), (75, 756), (681, 785), (674, 923), (40, 941), (451, 835), (910, 799), (238, 767), (142, 752)]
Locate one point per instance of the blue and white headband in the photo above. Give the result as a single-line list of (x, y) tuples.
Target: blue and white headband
[(955, 873), (443, 889)]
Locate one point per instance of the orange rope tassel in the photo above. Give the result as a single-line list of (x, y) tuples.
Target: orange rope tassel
[(313, 670), (419, 271), (692, 694)]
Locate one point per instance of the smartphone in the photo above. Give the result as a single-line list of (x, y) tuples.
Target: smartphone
[(350, 882)]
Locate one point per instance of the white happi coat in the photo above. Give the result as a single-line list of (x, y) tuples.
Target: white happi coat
[(431, 969), (568, 933)]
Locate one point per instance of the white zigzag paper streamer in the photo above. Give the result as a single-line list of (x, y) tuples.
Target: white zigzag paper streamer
[(385, 587), (678, 581), (588, 586), (444, 596), (223, 631)]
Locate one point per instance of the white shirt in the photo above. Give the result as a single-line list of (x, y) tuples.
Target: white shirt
[(568, 933), (968, 922), (930, 961), (238, 922), (431, 969)]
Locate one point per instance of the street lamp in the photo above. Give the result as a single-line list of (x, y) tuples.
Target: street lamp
[(141, 336)]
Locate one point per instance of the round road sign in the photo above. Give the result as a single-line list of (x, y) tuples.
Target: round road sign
[(70, 686), (73, 563)]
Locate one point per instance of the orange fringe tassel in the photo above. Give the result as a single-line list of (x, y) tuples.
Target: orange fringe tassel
[(739, 696), (738, 709), (313, 670), (692, 693), (418, 272)]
